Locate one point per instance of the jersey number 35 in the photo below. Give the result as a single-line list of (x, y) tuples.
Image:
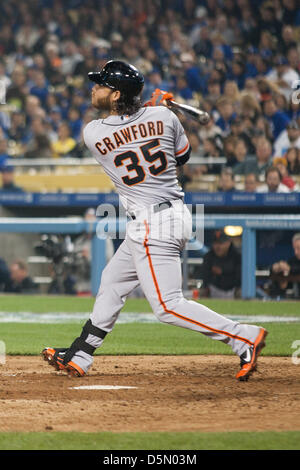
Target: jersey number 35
[(134, 165)]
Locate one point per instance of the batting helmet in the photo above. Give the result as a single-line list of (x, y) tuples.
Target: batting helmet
[(119, 75)]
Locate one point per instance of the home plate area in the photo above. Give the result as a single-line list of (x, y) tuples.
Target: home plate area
[(100, 387), (150, 393)]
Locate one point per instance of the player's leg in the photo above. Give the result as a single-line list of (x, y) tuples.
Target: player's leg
[(159, 271), (118, 279)]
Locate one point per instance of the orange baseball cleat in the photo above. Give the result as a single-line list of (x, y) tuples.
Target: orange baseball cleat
[(250, 356), (55, 358)]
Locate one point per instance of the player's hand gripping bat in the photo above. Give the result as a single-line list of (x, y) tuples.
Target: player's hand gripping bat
[(160, 97)]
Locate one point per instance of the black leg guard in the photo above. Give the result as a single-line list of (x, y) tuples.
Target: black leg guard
[(80, 344)]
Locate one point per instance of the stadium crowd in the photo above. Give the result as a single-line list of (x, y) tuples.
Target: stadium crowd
[(239, 60)]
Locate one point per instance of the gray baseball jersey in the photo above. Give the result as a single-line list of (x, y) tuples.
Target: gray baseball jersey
[(138, 153)]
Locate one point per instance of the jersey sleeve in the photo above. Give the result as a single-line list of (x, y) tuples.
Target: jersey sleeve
[(182, 145), (87, 135), (90, 140)]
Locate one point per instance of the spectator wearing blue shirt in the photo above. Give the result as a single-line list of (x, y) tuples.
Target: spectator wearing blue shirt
[(8, 183), (250, 67), (40, 87), (238, 73), (154, 80), (227, 115), (278, 119), (183, 90), (192, 72), (75, 123)]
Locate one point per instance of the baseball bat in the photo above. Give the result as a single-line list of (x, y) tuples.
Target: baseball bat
[(200, 116)]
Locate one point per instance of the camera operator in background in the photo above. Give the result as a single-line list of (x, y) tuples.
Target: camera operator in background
[(58, 250), (82, 249), (283, 270)]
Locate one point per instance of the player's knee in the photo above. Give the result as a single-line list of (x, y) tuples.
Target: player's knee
[(166, 311)]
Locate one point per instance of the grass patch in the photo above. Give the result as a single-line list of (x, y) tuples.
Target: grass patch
[(137, 338), (45, 304), (288, 440)]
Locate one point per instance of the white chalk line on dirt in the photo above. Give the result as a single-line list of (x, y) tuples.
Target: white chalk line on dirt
[(125, 317), (100, 387)]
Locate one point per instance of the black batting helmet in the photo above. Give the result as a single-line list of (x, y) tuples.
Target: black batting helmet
[(119, 75)]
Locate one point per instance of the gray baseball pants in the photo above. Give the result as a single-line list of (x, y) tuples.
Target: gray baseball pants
[(150, 256)]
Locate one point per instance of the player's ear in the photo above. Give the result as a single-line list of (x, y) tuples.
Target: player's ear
[(116, 95)]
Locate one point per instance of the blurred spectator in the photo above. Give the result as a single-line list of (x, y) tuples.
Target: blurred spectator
[(242, 52), (251, 182), (273, 182), (221, 268), (232, 93), (250, 108), (293, 161), (3, 153), (4, 274), (65, 145), (284, 270), (240, 130), (267, 20), (212, 147), (39, 145), (154, 80), (238, 73), (284, 76), (71, 57), (277, 119), (214, 90), (18, 131), (229, 147), (259, 164), (294, 107), (290, 14), (226, 181), (293, 57), (8, 184), (75, 123), (286, 179), (17, 92), (240, 151), (4, 79), (195, 144), (211, 130), (227, 114), (288, 138), (40, 87), (20, 282)]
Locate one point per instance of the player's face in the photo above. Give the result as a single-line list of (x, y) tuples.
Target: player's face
[(273, 181), (221, 249), (102, 97)]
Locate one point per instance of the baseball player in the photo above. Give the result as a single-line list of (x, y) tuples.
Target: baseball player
[(140, 149)]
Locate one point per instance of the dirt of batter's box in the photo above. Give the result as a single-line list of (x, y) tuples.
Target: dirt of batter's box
[(174, 393)]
